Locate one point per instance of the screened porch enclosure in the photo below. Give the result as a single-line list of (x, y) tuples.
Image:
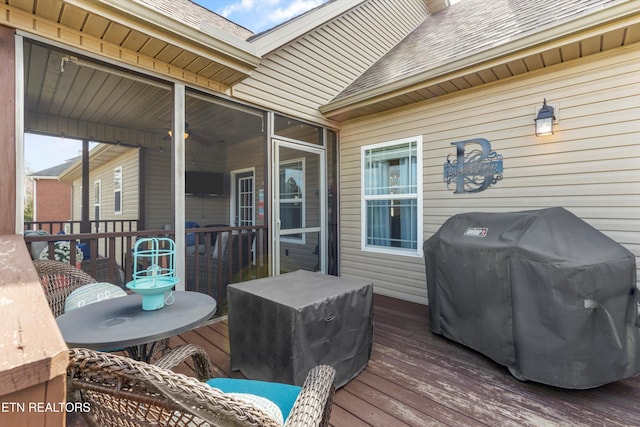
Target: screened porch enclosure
[(185, 163)]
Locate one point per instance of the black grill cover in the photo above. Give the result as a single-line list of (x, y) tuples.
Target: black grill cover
[(541, 292)]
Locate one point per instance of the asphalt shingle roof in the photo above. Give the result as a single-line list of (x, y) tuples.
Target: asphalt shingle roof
[(56, 170), (467, 28), (194, 15)]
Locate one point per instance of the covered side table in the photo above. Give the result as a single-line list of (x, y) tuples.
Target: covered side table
[(280, 327)]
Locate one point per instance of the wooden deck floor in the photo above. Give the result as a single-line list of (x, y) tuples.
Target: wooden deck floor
[(417, 378)]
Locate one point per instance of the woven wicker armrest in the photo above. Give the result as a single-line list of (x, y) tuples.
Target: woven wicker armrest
[(313, 405), (177, 355), (121, 391)]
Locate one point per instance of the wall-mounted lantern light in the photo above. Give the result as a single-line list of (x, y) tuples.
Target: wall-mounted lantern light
[(544, 120)]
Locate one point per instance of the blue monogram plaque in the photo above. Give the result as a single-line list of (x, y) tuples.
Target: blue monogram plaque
[(473, 170)]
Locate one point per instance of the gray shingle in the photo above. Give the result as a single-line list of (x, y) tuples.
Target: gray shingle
[(195, 15), (56, 170), (467, 28)]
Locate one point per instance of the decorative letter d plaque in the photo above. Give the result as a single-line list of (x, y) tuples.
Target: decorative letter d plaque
[(473, 170)]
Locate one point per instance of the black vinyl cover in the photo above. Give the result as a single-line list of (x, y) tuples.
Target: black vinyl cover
[(280, 327), (541, 292)]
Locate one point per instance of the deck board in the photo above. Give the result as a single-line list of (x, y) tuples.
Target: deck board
[(417, 378)]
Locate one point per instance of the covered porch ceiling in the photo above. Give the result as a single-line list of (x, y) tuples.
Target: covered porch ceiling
[(75, 97), (113, 83)]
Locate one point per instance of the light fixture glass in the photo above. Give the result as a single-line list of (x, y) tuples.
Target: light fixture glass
[(186, 131), (544, 120)]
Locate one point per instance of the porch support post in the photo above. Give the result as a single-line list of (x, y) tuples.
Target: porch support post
[(8, 132), (177, 171), (85, 224)]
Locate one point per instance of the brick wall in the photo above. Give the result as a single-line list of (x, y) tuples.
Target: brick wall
[(52, 202)]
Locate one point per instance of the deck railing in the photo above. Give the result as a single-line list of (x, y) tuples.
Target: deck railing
[(110, 254), (73, 227)]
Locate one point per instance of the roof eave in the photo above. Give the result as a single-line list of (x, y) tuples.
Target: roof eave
[(74, 171), (579, 28), (241, 54), (69, 175), (279, 36)]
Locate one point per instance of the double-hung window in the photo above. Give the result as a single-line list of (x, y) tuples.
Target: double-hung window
[(392, 196)]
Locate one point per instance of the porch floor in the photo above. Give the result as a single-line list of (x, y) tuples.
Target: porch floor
[(417, 378)]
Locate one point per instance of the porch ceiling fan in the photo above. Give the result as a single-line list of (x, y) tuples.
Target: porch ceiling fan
[(189, 135)]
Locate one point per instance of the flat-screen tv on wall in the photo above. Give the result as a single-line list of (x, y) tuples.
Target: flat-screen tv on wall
[(204, 183)]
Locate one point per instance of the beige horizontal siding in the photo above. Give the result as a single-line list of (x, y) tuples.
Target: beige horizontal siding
[(591, 166), (158, 191), (310, 71), (130, 185), (159, 197), (129, 163)]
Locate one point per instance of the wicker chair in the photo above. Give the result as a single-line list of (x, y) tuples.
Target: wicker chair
[(119, 391), (101, 272), (59, 279), (212, 276)]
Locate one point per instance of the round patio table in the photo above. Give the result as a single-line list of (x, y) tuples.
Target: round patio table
[(121, 323)]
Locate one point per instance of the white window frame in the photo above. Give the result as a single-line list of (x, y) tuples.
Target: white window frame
[(232, 211), (117, 192), (418, 196), (302, 200), (97, 202)]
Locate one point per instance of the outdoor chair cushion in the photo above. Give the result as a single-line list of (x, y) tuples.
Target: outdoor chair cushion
[(214, 234), (92, 293), (283, 395), (202, 248), (224, 238), (37, 247), (191, 237)]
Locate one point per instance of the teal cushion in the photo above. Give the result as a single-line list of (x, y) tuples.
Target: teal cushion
[(283, 395)]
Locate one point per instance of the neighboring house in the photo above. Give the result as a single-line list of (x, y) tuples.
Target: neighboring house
[(113, 184), (344, 125), (51, 198)]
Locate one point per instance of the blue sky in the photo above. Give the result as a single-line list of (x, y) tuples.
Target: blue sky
[(256, 15), (42, 152), (259, 15)]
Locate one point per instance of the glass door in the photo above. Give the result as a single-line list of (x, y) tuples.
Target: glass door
[(299, 208)]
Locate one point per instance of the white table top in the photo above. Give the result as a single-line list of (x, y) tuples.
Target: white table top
[(121, 322)]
